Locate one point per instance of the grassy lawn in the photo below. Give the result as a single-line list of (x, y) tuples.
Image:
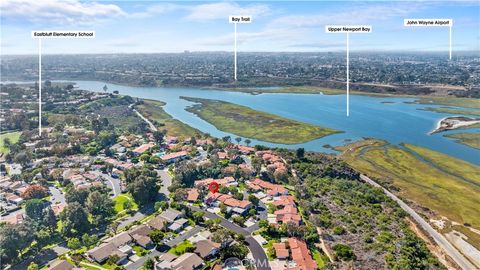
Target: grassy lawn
[(140, 251), (181, 248), (469, 139), (153, 110), (12, 136), (447, 185), (121, 199), (249, 123)]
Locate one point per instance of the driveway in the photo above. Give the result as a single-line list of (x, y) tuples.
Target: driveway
[(175, 241), (261, 259)]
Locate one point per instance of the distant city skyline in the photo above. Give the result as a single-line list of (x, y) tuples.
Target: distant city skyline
[(280, 26)]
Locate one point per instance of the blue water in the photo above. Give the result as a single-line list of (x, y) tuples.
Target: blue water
[(395, 122)]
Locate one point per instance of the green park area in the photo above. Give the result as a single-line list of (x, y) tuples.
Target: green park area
[(6, 139), (124, 202)]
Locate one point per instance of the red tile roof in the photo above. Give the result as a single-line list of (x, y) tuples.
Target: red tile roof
[(288, 214), (142, 148), (245, 149), (192, 195), (222, 155), (174, 155), (58, 208), (280, 250), (221, 181), (273, 189), (301, 255), (229, 200), (284, 201)]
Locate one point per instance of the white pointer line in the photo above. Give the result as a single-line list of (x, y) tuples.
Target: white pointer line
[(235, 51), (348, 75), (39, 87), (450, 33)]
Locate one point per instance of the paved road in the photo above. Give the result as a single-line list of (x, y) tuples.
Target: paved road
[(56, 198), (57, 195), (261, 260), (137, 216), (439, 238), (138, 264), (114, 182), (166, 181), (202, 154), (150, 124)]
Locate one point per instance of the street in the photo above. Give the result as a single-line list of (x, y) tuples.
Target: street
[(57, 195), (114, 183), (261, 259), (166, 181)]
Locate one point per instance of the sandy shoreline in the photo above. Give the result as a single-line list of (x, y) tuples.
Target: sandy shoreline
[(453, 122)]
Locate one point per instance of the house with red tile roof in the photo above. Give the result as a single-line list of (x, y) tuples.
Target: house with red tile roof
[(254, 187), (192, 195), (289, 214), (284, 200), (281, 251), (173, 157), (226, 181), (222, 155), (244, 149), (301, 255), (142, 148), (58, 208), (272, 189), (237, 206)]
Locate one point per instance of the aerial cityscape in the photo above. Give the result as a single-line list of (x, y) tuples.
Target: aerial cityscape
[(264, 135)]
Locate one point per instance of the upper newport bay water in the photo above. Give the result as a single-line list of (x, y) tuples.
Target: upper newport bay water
[(386, 118)]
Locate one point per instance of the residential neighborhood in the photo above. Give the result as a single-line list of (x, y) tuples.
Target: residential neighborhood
[(110, 182), (143, 203)]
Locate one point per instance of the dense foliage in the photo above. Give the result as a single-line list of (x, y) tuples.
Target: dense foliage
[(358, 221)]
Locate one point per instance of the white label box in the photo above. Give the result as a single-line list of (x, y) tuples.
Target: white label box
[(240, 19), (63, 34), (428, 22), (359, 29)]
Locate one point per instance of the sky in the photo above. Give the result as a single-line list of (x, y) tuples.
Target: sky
[(277, 26)]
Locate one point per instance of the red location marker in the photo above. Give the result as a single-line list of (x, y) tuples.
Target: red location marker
[(213, 186)]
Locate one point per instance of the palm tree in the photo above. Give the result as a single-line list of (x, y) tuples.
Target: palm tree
[(247, 141), (238, 139)]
